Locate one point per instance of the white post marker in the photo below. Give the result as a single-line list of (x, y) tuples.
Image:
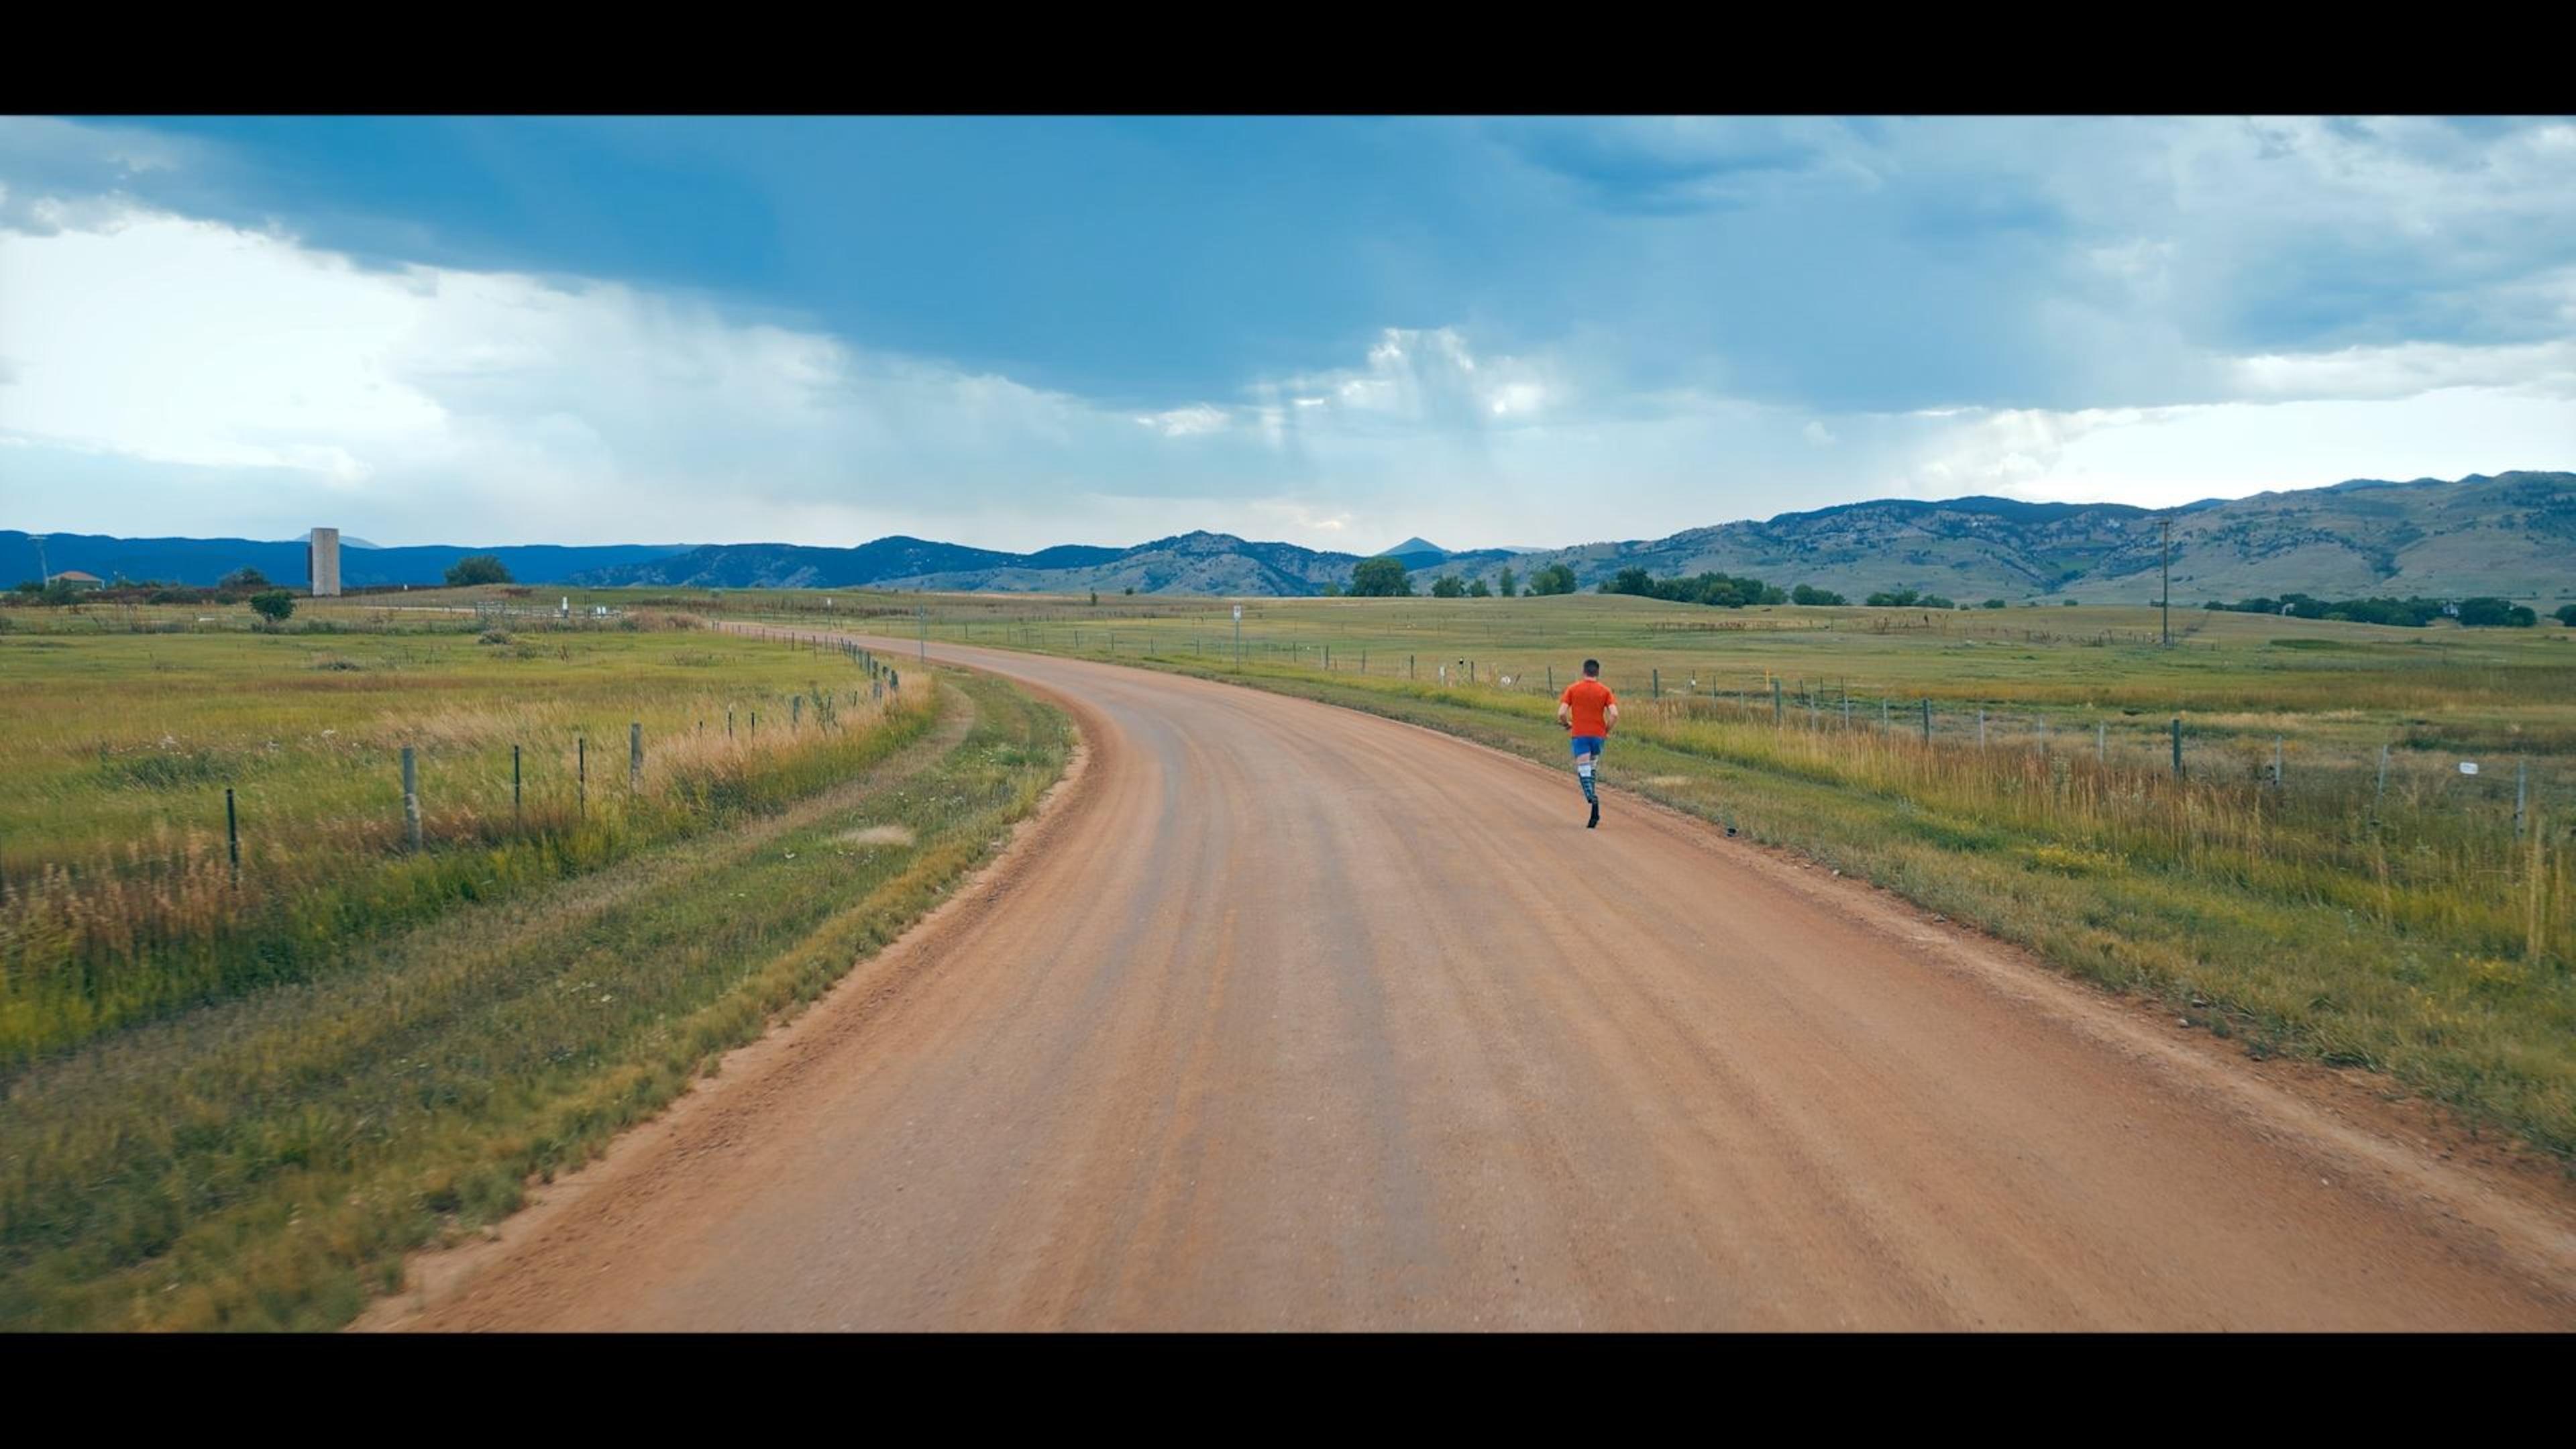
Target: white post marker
[(2468, 767)]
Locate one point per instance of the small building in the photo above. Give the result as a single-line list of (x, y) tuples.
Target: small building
[(74, 578)]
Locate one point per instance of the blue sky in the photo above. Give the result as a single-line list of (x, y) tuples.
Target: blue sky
[(1016, 332)]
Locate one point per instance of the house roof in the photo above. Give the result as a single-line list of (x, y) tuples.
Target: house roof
[(76, 576)]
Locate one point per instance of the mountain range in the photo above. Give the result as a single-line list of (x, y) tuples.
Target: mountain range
[(2512, 534), (202, 561)]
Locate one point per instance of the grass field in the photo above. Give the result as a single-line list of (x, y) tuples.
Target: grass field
[(264, 1153), (2414, 927), (119, 898), (239, 1105)]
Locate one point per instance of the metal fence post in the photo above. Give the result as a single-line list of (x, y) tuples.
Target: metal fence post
[(2177, 746), (1775, 702), (635, 755), (232, 833), (2520, 794), (1981, 727), (1927, 721), (2101, 742), (2276, 762), (411, 797), (515, 811), (1657, 687), (581, 773)]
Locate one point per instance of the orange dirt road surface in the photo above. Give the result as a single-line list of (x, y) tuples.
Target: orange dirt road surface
[(1283, 1016)]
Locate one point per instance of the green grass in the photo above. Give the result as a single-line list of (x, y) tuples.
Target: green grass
[(265, 1161), (2409, 930), (118, 898)]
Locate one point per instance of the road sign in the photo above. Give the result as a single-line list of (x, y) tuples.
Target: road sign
[(1238, 613)]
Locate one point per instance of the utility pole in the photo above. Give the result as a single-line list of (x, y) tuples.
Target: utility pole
[(2167, 600)]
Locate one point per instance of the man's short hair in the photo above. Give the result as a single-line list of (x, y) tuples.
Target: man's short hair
[(1592, 667)]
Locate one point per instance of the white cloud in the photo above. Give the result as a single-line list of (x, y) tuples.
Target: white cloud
[(2406, 370), (1431, 376), (1194, 421)]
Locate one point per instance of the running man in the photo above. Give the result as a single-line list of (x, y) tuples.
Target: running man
[(1589, 711)]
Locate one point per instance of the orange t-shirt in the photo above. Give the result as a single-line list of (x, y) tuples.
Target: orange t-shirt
[(1588, 697)]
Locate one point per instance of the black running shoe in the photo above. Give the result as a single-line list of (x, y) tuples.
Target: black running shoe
[(1595, 822)]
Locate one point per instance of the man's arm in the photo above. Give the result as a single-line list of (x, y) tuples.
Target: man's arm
[(1610, 715), (1564, 714)]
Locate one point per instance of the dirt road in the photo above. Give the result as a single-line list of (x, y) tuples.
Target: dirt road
[(1290, 1017)]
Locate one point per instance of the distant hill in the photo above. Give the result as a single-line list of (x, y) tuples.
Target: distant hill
[(2513, 534), (204, 560)]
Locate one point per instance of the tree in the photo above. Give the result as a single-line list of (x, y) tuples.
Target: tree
[(1380, 578), (1894, 599), (2495, 614), (243, 580), (1477, 590), (1508, 584), (1554, 579), (1993, 604), (274, 605), (1131, 588), (481, 568), (1803, 594), (1934, 601), (2566, 615), (1631, 580), (1332, 589), (1447, 586), (1095, 598)]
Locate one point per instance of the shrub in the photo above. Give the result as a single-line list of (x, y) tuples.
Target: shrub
[(274, 605), (1554, 579), (481, 568)]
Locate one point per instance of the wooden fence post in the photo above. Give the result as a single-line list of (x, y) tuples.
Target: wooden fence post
[(411, 797)]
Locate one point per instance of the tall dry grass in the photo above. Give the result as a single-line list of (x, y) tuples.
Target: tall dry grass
[(146, 911)]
